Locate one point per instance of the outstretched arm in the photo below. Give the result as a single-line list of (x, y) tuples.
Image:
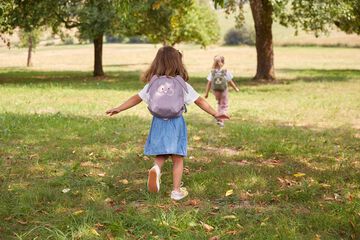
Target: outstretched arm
[(232, 83), (134, 100), (204, 105), (207, 90)]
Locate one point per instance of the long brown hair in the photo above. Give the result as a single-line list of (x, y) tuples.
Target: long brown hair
[(168, 61), (219, 61)]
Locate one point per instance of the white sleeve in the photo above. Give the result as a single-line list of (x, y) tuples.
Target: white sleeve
[(229, 76), (191, 96), (144, 95), (209, 77)]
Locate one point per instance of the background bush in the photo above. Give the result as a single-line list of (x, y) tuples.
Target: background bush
[(239, 36)]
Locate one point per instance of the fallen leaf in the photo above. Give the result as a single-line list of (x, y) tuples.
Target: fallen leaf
[(207, 227), (175, 228), (214, 238), (91, 154), (317, 237), (78, 212), (101, 174), (110, 236), (229, 217), (124, 181), (192, 224), (299, 174), (232, 232), (193, 202), (22, 222), (146, 158), (66, 190), (93, 231), (99, 226), (324, 185), (196, 138), (229, 192)]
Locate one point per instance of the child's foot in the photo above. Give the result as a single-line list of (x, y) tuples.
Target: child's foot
[(175, 195), (154, 179), (220, 123)]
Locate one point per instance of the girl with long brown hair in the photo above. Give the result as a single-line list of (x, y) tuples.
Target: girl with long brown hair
[(166, 92)]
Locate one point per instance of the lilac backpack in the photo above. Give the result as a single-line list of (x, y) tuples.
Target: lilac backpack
[(166, 96)]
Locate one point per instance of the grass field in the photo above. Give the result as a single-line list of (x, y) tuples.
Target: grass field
[(289, 159)]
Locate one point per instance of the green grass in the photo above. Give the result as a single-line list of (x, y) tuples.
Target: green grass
[(54, 135)]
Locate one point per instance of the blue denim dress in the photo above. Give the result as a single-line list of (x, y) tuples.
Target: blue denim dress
[(167, 136)]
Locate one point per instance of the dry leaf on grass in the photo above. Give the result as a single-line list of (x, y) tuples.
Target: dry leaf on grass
[(193, 202), (299, 174), (214, 238), (207, 227), (229, 192), (232, 232), (196, 138), (101, 174), (229, 217), (78, 212), (93, 231), (109, 236), (22, 222), (124, 181), (286, 182)]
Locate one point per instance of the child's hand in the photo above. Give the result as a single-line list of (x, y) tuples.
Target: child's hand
[(112, 111), (221, 116), (237, 90), (206, 95)]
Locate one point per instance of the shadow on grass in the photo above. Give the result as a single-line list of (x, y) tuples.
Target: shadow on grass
[(43, 154), (129, 80), (320, 75)]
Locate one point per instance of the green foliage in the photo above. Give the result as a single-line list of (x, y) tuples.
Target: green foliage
[(349, 21), (24, 38), (5, 9), (181, 21), (239, 36), (92, 18), (315, 16)]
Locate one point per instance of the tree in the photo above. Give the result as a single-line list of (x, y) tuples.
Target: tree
[(94, 19), (29, 40), (5, 26), (174, 21), (27, 15), (312, 15)]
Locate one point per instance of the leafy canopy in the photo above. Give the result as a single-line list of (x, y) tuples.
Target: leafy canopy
[(175, 21), (312, 15)]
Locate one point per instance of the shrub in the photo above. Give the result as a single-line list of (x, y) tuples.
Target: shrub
[(114, 39), (138, 39), (239, 36)]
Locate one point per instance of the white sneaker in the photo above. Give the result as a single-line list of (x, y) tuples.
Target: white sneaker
[(221, 124), (175, 195), (154, 179)]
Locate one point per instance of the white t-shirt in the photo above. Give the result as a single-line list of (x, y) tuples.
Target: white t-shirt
[(228, 75), (189, 97)]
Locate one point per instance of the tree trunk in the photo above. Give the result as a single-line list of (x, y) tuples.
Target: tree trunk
[(98, 46), (262, 15), (30, 47)]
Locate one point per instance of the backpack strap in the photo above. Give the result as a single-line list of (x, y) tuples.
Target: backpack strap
[(152, 80), (180, 80)]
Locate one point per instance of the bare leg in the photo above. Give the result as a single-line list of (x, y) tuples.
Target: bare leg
[(160, 159), (178, 167)]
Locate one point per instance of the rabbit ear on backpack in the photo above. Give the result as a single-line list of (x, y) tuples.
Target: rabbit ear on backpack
[(153, 78), (181, 81)]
